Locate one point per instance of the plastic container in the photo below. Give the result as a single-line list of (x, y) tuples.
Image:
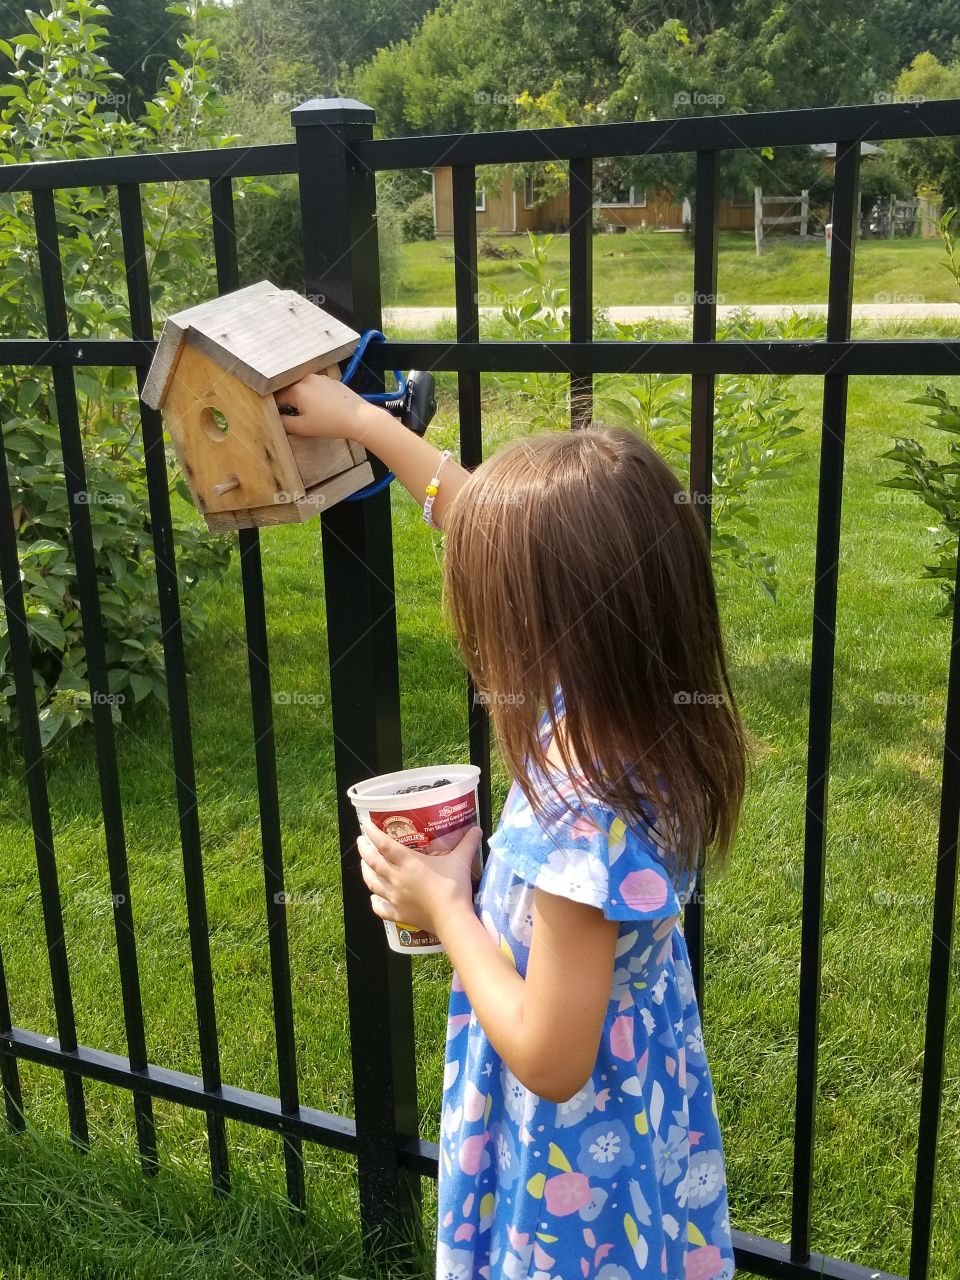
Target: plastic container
[(429, 809)]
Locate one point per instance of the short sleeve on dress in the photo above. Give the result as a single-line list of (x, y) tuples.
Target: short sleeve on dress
[(589, 856)]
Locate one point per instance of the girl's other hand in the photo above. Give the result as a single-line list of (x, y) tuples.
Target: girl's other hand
[(418, 888), (324, 407)]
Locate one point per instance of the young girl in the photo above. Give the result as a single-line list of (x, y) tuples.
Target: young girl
[(579, 1131)]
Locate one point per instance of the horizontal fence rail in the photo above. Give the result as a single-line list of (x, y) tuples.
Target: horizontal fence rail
[(336, 158)]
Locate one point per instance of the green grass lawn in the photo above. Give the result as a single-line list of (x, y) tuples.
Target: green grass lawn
[(655, 269), (62, 1217)]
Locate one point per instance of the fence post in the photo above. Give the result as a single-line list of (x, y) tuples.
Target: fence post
[(342, 272), (758, 218)]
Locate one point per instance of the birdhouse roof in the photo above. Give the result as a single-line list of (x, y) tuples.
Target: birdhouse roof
[(264, 336)]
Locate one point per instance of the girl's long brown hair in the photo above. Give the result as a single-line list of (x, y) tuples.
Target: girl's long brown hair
[(576, 560)]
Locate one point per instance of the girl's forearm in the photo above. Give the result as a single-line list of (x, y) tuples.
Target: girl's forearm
[(493, 986), (412, 459)]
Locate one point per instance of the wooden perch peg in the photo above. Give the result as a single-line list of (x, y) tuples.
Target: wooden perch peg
[(225, 486)]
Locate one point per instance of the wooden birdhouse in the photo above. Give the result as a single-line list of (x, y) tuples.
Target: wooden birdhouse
[(214, 373)]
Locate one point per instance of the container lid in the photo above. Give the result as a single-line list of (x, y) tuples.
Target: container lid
[(384, 789)]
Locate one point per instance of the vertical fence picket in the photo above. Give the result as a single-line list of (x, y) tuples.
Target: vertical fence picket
[(264, 745), (36, 779), (341, 262), (581, 282), (466, 286), (702, 401), (81, 532), (168, 591), (9, 1071), (941, 953), (826, 573)]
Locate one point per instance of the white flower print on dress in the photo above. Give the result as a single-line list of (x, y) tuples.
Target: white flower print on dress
[(694, 1040), (518, 903), (453, 1264), (575, 1108), (574, 873), (605, 1148), (705, 1178), (517, 1098)]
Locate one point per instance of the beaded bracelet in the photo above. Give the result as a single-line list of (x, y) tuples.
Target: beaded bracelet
[(432, 489)]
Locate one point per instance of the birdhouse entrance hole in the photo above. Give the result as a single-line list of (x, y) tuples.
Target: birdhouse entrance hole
[(214, 423)]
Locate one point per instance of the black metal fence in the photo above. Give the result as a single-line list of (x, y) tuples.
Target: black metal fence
[(336, 158)]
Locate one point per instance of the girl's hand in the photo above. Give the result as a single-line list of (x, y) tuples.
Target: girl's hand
[(421, 889), (325, 407)]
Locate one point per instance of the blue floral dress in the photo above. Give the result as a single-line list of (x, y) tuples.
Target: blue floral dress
[(625, 1179)]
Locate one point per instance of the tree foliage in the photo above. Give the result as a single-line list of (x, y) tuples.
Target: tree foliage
[(143, 36), (57, 104)]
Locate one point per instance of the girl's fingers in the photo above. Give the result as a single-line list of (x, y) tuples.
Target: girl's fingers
[(372, 880), (384, 844), (371, 857)]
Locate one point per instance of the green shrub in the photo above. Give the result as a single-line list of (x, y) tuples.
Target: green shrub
[(416, 221), (935, 481), (54, 107)]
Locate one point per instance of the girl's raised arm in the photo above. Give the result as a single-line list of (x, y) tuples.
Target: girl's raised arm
[(325, 407)]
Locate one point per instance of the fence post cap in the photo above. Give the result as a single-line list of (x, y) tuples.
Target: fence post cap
[(332, 111)]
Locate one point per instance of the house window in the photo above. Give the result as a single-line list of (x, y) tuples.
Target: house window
[(623, 196), (481, 199), (528, 192), (613, 189)]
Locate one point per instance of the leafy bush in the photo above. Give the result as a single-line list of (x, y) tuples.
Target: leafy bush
[(936, 482), (54, 106), (416, 221), (755, 415)]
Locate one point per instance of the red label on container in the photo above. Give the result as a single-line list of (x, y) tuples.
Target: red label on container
[(433, 829)]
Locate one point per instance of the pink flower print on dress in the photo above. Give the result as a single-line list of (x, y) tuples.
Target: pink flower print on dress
[(566, 1193), (704, 1263), (471, 1152), (621, 1037), (643, 890)]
